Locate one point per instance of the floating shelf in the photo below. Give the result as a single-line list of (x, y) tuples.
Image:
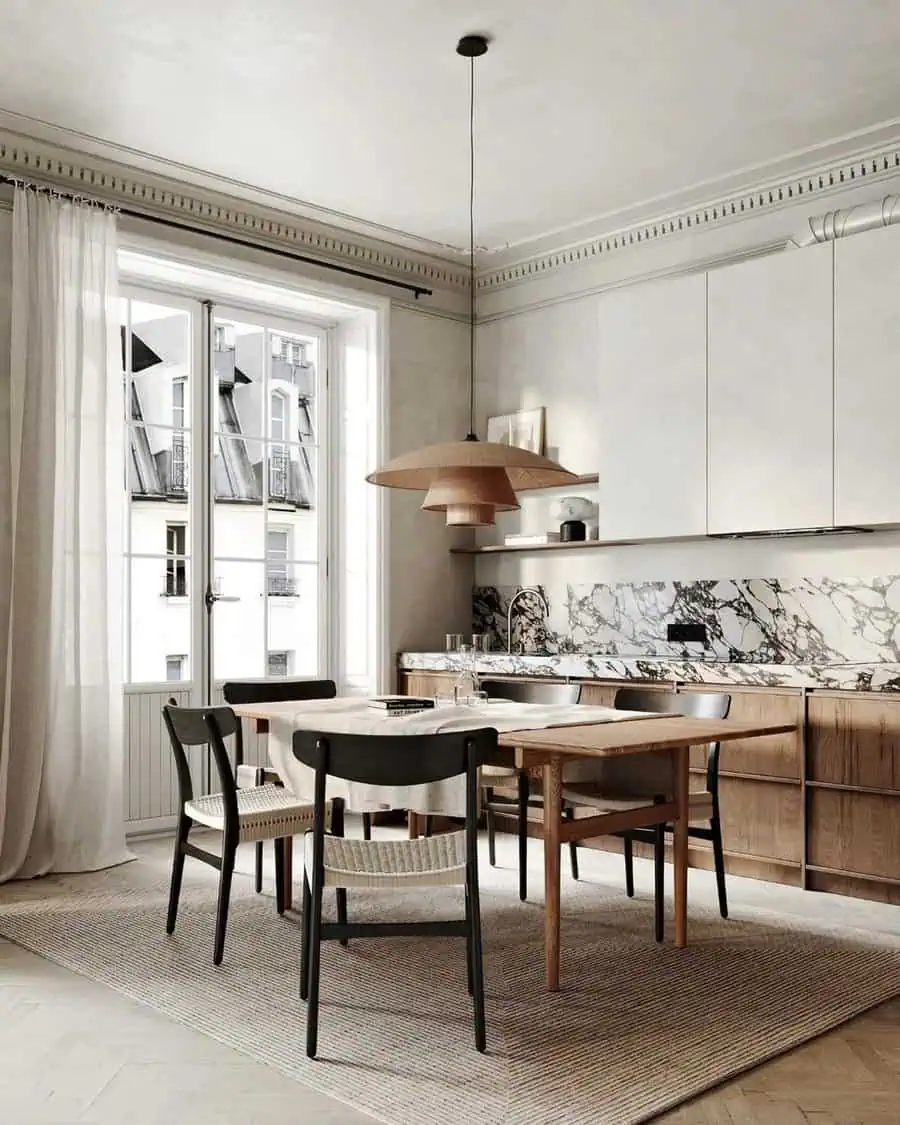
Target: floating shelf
[(580, 545), (589, 478)]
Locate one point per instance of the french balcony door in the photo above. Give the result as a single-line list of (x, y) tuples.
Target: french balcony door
[(226, 549)]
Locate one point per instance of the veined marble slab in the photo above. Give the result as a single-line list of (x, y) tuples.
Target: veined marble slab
[(821, 622), (579, 666)]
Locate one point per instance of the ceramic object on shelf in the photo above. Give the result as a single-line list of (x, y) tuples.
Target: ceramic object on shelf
[(574, 514)]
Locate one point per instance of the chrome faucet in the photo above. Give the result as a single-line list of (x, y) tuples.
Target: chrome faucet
[(521, 593)]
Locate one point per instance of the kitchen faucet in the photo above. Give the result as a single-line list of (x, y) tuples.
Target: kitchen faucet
[(521, 593)]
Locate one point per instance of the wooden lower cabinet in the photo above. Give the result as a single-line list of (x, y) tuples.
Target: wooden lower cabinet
[(820, 809)]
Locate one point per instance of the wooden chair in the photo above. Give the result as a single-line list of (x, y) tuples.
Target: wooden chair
[(447, 860), (624, 782), (705, 820), (493, 776), (264, 812), (237, 692)]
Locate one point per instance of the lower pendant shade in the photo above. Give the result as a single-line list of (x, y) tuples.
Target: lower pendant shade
[(471, 480), (470, 497)]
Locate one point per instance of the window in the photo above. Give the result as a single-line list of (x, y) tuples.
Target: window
[(278, 578), (176, 563), (279, 664), (175, 667), (178, 386), (278, 417)]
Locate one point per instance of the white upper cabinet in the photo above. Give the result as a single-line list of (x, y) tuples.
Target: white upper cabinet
[(867, 378), (651, 421), (771, 402)]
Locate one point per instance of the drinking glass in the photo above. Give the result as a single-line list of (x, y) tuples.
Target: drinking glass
[(453, 642), (481, 642), (477, 698)]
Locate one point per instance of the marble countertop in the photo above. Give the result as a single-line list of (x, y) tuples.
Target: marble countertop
[(882, 677)]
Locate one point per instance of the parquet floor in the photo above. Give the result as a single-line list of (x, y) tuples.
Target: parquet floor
[(850, 1077), (72, 1051)]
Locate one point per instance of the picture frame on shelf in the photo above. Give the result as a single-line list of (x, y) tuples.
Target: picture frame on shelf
[(523, 429)]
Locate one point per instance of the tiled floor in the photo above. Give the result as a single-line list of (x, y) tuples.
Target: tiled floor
[(73, 1051)]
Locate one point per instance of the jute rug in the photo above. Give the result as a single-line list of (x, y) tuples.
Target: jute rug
[(637, 1029)]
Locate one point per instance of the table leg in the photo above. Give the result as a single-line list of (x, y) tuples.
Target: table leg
[(552, 823), (413, 821), (682, 785), (288, 876)]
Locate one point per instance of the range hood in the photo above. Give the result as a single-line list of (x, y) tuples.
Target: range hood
[(792, 533)]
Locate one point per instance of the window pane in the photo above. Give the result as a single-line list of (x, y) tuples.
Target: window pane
[(239, 522), (160, 354), (159, 463), (293, 601), (160, 617), (239, 648), (238, 358), (293, 375), (293, 535), (291, 476)]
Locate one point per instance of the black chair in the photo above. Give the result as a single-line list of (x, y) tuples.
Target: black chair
[(246, 815), (237, 692), (501, 776), (451, 859), (704, 804)]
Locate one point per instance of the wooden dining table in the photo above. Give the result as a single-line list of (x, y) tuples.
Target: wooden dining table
[(547, 750)]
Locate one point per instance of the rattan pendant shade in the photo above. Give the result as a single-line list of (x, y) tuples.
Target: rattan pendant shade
[(471, 480)]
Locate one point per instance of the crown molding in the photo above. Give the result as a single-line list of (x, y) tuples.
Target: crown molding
[(871, 166), (259, 217)]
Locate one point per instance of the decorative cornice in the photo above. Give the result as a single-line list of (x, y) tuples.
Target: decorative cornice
[(875, 166), (164, 197)]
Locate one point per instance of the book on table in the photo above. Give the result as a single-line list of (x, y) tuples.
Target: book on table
[(401, 702)]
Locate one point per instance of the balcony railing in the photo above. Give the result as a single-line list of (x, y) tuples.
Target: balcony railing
[(175, 584), (279, 475), (281, 586), (178, 476)]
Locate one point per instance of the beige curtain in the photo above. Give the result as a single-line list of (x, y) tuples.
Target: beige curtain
[(62, 487)]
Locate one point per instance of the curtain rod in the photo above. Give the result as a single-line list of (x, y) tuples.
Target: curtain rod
[(416, 290)]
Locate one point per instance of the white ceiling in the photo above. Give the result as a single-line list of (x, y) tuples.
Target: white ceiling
[(587, 108)]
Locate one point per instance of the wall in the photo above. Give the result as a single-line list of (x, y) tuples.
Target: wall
[(536, 348), (430, 589)]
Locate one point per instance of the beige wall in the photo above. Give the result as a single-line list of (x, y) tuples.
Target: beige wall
[(430, 589)]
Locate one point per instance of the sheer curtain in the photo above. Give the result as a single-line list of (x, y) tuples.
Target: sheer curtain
[(62, 485)]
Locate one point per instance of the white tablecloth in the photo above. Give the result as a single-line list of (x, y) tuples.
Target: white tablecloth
[(354, 716)]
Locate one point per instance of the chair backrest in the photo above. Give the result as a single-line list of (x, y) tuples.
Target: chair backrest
[(237, 692), (207, 727), (693, 704), (394, 760), (532, 691)]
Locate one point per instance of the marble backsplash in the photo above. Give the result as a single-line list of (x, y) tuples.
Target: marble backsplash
[(819, 621)]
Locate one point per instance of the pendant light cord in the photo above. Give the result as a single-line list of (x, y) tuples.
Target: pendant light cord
[(472, 248)]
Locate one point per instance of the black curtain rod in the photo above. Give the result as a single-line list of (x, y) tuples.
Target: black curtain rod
[(416, 290)]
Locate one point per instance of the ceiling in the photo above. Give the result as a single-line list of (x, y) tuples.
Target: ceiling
[(587, 109)]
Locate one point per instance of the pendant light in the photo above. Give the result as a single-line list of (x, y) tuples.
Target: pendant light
[(471, 480)]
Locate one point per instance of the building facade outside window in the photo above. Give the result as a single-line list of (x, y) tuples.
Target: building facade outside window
[(279, 665)]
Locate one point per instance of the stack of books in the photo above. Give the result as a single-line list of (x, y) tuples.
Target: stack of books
[(535, 539), (400, 704)]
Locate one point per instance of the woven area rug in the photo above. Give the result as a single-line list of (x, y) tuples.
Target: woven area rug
[(637, 1029)]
